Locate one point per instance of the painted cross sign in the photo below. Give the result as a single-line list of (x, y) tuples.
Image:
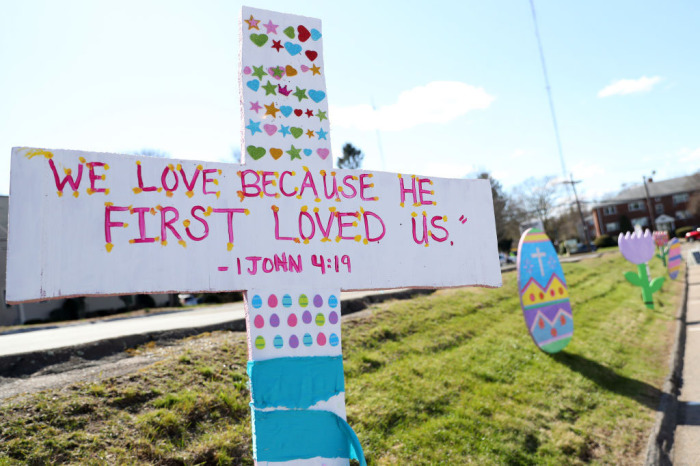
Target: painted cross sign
[(284, 227)]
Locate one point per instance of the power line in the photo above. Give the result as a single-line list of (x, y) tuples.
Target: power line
[(548, 88)]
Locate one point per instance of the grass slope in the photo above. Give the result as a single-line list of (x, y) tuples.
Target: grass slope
[(450, 378)]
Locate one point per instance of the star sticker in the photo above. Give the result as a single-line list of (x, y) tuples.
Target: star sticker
[(310, 134), (321, 115), (315, 69), (271, 110), (294, 153), (300, 94), (309, 112), (254, 126), (284, 130), (322, 134), (269, 88), (258, 72), (276, 45), (252, 23), (255, 106), (271, 28), (283, 90), (277, 72)]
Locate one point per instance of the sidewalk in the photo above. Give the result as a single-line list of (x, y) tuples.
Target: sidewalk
[(686, 446)]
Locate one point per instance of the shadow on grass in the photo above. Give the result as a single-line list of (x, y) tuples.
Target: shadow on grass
[(610, 380)]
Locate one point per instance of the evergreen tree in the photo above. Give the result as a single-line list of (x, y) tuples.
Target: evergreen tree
[(352, 157)]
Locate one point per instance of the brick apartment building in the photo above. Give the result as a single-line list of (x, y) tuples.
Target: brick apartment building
[(668, 204)]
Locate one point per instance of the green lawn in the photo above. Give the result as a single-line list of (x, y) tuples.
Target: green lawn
[(450, 378)]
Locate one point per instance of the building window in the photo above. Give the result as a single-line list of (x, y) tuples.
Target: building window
[(680, 198), (682, 214), (659, 209), (612, 227), (635, 206), (609, 210), (642, 222)]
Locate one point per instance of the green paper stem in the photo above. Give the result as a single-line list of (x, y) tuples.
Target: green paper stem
[(663, 252), (641, 279)]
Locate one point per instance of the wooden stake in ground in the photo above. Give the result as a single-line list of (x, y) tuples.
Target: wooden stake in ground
[(284, 227)]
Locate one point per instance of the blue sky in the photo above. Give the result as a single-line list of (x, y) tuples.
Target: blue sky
[(458, 87)]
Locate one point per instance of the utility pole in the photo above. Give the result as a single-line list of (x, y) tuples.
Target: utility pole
[(578, 206), (646, 190)]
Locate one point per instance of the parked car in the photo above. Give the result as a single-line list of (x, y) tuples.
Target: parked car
[(504, 259), (693, 235)]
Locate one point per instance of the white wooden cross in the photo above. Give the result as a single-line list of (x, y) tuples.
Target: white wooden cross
[(284, 227)]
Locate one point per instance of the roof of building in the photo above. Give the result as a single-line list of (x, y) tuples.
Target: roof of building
[(683, 184)]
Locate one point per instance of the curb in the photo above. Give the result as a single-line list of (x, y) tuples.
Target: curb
[(25, 364), (660, 441)]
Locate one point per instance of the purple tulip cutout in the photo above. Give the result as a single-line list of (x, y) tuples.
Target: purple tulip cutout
[(638, 248)]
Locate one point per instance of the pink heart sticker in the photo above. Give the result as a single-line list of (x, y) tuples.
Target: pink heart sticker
[(305, 68), (323, 153), (247, 70), (270, 129)]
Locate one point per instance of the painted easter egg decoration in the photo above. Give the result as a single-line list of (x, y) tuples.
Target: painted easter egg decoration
[(544, 295), (674, 258)]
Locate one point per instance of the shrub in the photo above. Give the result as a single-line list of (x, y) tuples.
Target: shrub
[(604, 241)]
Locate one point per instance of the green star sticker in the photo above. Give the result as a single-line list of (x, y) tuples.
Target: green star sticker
[(258, 72), (295, 153), (300, 94), (269, 88), (321, 115)]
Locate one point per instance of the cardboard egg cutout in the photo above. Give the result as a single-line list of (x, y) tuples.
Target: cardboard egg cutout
[(674, 258), (544, 295)]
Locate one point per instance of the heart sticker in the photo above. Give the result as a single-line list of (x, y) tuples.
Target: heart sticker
[(307, 152), (294, 49), (286, 110), (317, 96), (247, 70), (296, 132), (298, 112), (276, 153), (289, 32), (255, 152), (254, 84), (304, 33), (270, 129), (305, 68), (258, 39), (315, 34), (323, 153), (310, 54), (291, 71)]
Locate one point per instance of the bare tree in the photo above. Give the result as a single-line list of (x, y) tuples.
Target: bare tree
[(539, 198)]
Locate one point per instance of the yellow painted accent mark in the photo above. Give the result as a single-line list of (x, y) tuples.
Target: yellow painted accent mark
[(137, 190), (189, 193), (186, 222), (169, 193), (82, 159), (109, 247), (182, 243), (229, 246), (60, 193), (163, 243), (76, 194), (34, 152)]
